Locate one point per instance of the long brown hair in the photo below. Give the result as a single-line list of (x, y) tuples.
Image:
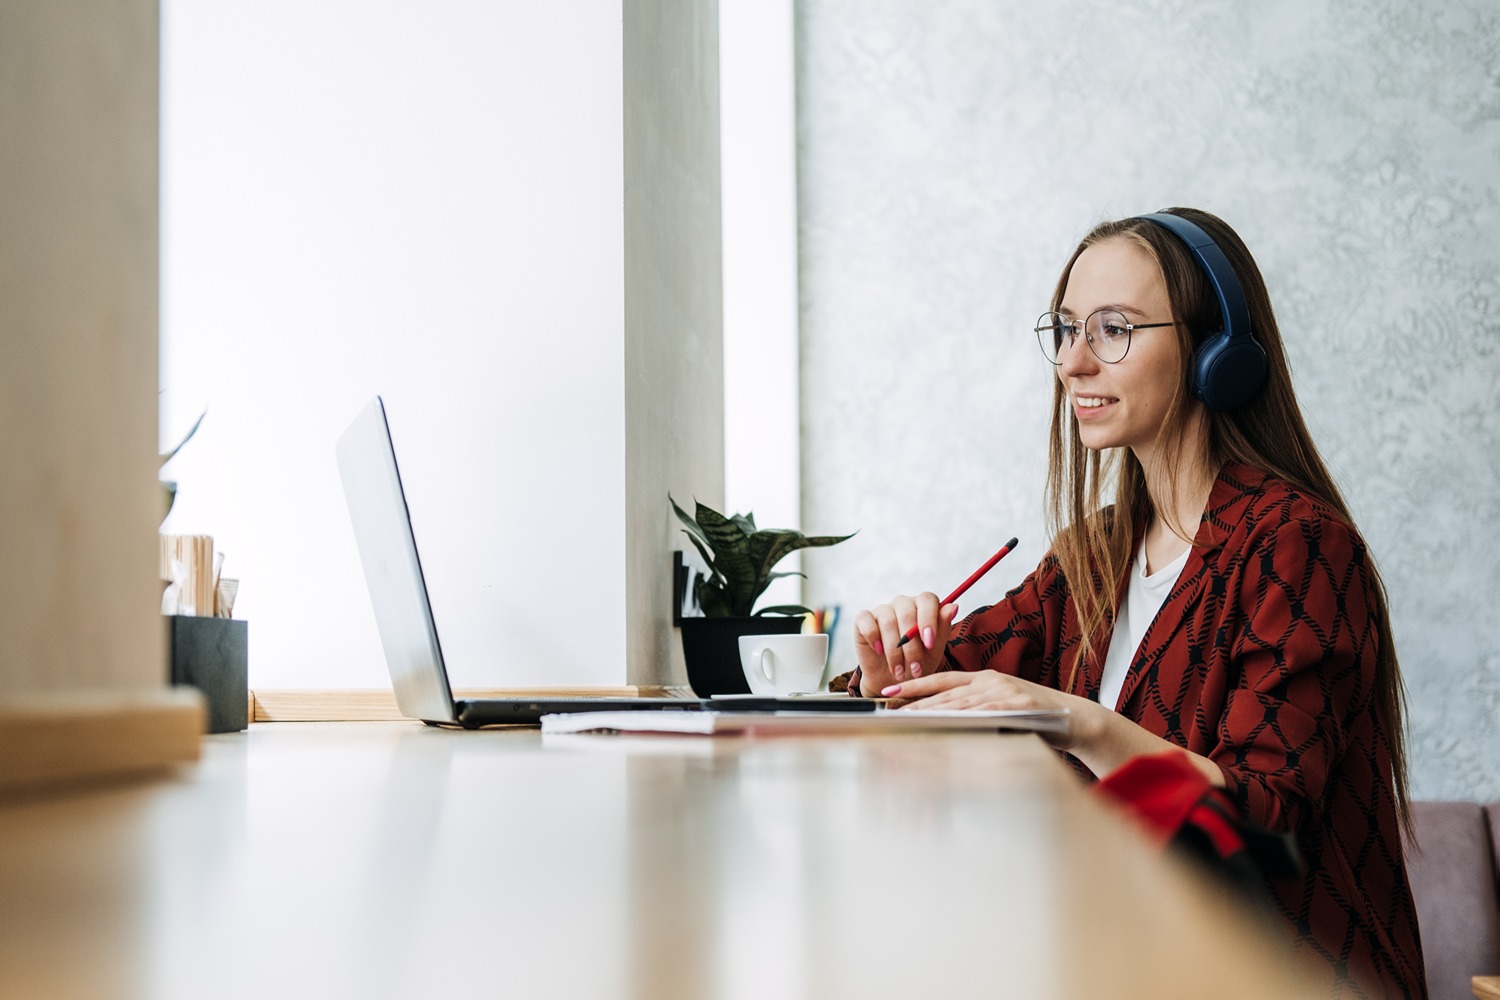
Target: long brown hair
[(1094, 545)]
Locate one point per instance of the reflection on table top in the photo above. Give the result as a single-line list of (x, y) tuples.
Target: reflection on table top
[(383, 859)]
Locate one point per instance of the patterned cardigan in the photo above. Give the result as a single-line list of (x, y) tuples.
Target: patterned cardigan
[(1262, 659)]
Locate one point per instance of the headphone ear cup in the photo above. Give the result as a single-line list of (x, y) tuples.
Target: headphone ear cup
[(1228, 371)]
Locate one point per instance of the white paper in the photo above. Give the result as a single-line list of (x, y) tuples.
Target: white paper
[(709, 723)]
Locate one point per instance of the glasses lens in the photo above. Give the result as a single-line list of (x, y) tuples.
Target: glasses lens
[(1050, 331), (1109, 335)]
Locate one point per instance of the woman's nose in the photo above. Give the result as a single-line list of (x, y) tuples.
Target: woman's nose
[(1075, 357)]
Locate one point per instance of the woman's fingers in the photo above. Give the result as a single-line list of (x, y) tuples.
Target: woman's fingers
[(959, 689), (924, 687), (927, 613), (927, 631), (967, 699), (883, 658), (897, 618), (934, 622), (986, 690), (870, 651), (946, 616)]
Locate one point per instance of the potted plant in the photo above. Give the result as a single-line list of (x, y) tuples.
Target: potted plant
[(740, 559)]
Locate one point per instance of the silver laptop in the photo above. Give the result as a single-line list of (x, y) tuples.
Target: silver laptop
[(388, 550), (393, 572)]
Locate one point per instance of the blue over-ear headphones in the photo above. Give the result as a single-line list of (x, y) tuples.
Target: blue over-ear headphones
[(1229, 367)]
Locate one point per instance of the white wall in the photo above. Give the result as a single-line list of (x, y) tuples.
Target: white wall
[(952, 153), (762, 426), (422, 201)]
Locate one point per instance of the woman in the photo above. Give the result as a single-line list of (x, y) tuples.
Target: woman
[(1224, 604)]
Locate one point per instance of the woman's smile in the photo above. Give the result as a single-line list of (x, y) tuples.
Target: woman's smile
[(1089, 405)]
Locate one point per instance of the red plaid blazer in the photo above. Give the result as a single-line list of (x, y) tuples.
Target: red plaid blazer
[(1263, 661)]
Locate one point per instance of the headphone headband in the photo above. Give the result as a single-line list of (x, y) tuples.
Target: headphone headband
[(1233, 312), (1229, 366)]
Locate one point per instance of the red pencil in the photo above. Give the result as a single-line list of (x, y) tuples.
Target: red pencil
[(911, 633)]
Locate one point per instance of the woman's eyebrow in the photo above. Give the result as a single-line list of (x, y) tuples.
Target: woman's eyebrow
[(1122, 307)]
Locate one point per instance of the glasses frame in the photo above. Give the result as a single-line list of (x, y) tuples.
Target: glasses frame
[(1081, 327)]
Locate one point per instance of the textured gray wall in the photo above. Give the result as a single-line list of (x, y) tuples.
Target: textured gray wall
[(951, 153)]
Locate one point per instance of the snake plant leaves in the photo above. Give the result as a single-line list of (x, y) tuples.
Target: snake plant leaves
[(169, 497), (740, 558), (185, 439), (785, 609), (169, 487)]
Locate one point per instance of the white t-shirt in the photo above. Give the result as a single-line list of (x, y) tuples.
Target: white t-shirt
[(1143, 600)]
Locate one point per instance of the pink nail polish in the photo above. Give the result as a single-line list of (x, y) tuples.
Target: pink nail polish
[(879, 647), (927, 637), (891, 691)]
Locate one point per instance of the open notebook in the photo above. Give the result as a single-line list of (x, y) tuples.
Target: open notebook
[(767, 723)]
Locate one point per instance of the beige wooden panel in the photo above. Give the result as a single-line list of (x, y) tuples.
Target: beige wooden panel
[(79, 502), (53, 741)]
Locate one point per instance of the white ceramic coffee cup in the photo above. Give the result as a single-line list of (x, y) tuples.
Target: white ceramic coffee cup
[(781, 665)]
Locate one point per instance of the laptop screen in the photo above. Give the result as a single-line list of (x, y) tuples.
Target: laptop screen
[(388, 552)]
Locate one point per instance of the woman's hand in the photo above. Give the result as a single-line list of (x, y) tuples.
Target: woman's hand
[(877, 637), (1099, 737), (993, 691)]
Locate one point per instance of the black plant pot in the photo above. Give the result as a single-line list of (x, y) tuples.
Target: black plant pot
[(711, 648)]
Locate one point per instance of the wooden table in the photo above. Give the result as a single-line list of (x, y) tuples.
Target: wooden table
[(386, 859)]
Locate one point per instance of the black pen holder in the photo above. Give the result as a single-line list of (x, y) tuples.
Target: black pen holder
[(213, 655)]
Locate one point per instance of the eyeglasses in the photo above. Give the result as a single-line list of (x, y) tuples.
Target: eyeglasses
[(1106, 330)]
